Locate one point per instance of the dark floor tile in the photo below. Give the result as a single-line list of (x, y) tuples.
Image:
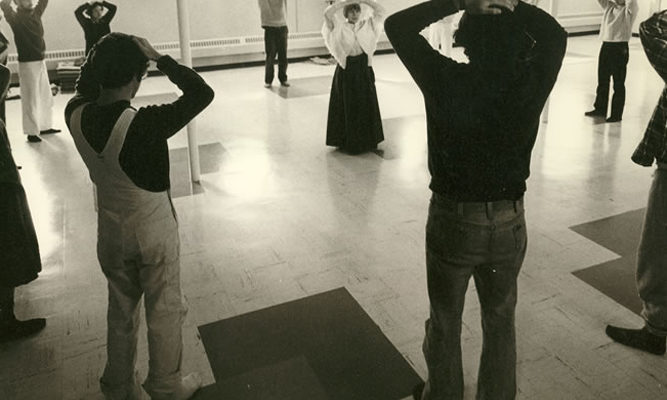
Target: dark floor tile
[(615, 278), (326, 344)]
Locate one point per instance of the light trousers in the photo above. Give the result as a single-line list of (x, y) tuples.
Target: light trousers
[(36, 97)]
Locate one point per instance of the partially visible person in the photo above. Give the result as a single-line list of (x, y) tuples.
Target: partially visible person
[(441, 35), (354, 123), (95, 17), (4, 55), (652, 254), (273, 15), (19, 250), (36, 95), (482, 121), (615, 32), (138, 248)]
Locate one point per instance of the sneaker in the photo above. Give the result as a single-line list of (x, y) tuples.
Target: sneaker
[(613, 119), (595, 113), (267, 85), (49, 131), (640, 339), (285, 84), (34, 139), (16, 329)]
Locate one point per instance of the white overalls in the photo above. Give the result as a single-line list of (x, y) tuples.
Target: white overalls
[(138, 250)]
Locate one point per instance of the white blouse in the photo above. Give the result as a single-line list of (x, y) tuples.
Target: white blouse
[(346, 39)]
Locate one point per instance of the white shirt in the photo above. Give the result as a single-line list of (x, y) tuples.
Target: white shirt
[(346, 39), (617, 20)]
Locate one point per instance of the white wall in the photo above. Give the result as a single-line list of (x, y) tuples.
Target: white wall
[(214, 19)]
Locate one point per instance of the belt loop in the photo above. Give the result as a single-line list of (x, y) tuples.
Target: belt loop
[(459, 206), (515, 203), (489, 210)]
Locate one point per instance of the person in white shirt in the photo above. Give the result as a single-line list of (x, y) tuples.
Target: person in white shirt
[(615, 32), (441, 35), (354, 124)]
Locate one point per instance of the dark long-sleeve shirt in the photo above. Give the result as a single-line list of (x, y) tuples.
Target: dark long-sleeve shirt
[(94, 30), (480, 136), (145, 155), (28, 30), (653, 35)]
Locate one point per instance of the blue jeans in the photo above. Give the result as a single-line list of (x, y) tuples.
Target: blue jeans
[(488, 242)]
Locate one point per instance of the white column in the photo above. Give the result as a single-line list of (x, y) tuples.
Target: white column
[(550, 8), (186, 59)]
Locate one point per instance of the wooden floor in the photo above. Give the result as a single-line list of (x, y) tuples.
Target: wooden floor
[(282, 217)]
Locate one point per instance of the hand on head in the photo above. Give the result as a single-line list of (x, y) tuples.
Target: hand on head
[(490, 7), (146, 48)]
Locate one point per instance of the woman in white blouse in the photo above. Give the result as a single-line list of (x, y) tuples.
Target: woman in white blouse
[(354, 123)]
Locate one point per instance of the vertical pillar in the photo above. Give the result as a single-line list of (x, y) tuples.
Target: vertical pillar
[(186, 59), (550, 8)]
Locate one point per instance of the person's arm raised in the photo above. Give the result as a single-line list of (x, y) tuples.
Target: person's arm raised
[(111, 11), (330, 12)]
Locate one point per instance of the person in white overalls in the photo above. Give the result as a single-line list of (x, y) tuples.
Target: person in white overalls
[(138, 242)]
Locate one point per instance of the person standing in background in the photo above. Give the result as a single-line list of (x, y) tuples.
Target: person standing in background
[(441, 35), (615, 32), (19, 250), (94, 20), (274, 23), (354, 123), (36, 96)]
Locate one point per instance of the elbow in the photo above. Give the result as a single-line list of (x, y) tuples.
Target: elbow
[(208, 94), (390, 27)]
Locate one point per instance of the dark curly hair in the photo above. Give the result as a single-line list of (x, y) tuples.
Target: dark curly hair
[(115, 60)]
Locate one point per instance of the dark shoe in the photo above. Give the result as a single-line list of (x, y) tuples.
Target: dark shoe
[(640, 339), (285, 84), (34, 139), (49, 131), (16, 329), (595, 113), (418, 390), (614, 119)]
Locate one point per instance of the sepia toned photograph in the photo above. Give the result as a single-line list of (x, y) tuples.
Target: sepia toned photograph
[(333, 199)]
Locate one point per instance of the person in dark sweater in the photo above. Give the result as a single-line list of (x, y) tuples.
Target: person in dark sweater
[(94, 20), (36, 97), (126, 153), (482, 122)]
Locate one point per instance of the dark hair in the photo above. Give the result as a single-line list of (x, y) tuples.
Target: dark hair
[(493, 40), (116, 60), (351, 7), (91, 6)]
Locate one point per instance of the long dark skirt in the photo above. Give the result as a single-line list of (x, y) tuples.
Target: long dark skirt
[(354, 123), (19, 252)]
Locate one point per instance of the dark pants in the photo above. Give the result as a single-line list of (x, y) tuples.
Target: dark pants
[(486, 241), (275, 43), (613, 62)]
